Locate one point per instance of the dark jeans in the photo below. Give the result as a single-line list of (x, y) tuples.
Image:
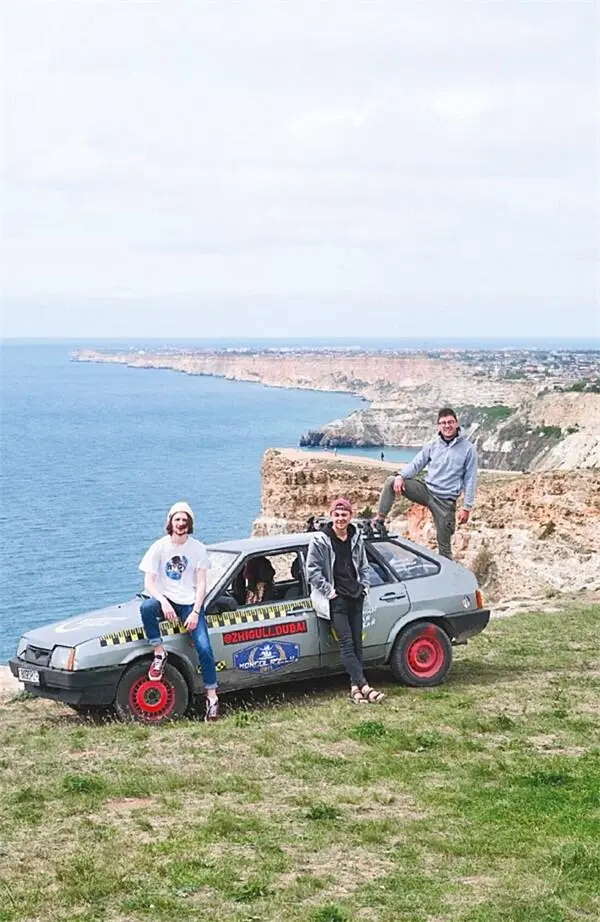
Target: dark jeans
[(152, 615), (443, 510), (347, 620)]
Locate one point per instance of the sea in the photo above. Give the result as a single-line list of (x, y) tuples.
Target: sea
[(93, 455)]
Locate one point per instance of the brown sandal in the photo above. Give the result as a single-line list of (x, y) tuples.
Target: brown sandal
[(356, 696), (371, 694)]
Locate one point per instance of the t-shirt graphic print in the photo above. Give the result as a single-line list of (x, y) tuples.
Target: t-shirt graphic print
[(175, 567)]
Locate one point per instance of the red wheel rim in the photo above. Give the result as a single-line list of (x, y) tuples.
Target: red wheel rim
[(151, 700), (426, 656)]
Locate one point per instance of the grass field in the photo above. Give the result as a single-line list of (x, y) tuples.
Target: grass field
[(478, 801)]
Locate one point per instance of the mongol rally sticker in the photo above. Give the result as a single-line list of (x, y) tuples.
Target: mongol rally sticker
[(265, 631), (266, 657)]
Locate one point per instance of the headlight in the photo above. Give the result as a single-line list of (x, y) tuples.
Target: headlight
[(63, 658), (22, 647)]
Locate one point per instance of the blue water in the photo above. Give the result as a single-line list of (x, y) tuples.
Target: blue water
[(94, 455)]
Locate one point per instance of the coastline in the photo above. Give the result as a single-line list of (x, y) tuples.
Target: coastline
[(523, 413)]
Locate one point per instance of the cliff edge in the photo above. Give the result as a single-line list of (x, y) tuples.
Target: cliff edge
[(531, 536), (524, 410)]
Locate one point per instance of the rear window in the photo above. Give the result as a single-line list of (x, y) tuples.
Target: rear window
[(403, 563)]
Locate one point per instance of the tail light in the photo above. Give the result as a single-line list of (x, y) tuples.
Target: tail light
[(479, 598)]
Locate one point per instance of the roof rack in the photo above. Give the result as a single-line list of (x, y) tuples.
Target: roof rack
[(365, 526)]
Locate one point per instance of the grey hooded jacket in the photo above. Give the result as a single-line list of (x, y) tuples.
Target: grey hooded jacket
[(321, 558)]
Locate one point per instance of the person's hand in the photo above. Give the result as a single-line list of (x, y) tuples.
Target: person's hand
[(191, 622), (398, 484), (333, 596), (168, 611), (463, 516)]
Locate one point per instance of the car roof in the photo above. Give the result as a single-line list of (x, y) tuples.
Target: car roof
[(269, 543), (263, 543)]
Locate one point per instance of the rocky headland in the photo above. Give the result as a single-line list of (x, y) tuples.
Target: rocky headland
[(525, 410), (532, 537)]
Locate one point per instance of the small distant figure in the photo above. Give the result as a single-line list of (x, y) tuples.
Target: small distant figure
[(310, 524), (382, 456), (335, 450), (451, 462)]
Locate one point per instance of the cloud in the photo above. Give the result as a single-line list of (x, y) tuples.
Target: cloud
[(375, 149)]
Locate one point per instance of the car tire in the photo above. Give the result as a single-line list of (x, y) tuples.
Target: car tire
[(422, 655), (138, 698)]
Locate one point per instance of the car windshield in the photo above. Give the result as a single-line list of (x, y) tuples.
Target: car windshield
[(220, 561)]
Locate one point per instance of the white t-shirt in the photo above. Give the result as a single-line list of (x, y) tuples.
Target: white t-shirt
[(175, 567)]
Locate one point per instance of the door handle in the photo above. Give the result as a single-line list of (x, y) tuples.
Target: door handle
[(391, 597)]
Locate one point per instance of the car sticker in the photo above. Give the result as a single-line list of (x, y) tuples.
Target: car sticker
[(264, 631), (266, 657), (225, 619), (131, 634), (258, 613)]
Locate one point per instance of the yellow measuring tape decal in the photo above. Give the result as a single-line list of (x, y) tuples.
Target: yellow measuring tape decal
[(130, 634), (262, 613), (224, 619)]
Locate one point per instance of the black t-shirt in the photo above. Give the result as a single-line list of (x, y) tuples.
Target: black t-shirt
[(345, 581)]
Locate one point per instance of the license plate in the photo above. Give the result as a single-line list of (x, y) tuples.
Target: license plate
[(31, 676)]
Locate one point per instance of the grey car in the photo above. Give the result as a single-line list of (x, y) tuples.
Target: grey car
[(262, 630)]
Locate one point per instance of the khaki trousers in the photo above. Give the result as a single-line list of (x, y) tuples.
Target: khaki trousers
[(443, 510)]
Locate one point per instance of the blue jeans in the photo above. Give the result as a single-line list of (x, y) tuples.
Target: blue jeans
[(152, 615)]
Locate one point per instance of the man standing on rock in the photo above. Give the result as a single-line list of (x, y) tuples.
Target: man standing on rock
[(338, 573), (174, 570), (451, 462)]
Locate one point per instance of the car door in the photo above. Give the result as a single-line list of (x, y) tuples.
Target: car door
[(267, 633), (386, 602)]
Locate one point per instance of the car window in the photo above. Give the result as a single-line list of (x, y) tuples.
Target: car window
[(378, 575), (266, 578), (220, 562), (403, 563)]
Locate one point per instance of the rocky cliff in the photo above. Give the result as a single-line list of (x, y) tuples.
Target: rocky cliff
[(518, 420), (531, 536)]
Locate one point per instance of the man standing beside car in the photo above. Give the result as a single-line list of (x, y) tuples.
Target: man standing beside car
[(174, 570), (338, 574), (451, 462)]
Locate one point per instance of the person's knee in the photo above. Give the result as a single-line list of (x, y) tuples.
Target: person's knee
[(150, 608), (389, 482)]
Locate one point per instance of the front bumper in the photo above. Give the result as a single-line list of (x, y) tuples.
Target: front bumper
[(85, 687), (467, 624)]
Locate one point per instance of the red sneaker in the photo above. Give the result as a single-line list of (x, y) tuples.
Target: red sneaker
[(212, 710), (157, 667)]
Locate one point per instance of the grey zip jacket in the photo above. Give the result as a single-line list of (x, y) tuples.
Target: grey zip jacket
[(452, 468), (321, 558)]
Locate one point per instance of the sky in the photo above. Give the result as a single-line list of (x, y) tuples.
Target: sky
[(300, 168)]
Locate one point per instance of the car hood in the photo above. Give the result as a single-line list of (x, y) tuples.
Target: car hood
[(81, 628)]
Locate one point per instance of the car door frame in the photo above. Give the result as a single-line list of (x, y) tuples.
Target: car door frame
[(262, 619)]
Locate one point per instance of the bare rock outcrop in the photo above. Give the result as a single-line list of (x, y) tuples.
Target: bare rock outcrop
[(513, 405), (530, 536)]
